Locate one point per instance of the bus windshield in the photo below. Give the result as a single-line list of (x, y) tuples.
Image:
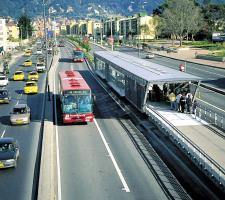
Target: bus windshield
[(78, 54), (75, 104)]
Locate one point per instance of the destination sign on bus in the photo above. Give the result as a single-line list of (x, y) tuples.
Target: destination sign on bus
[(78, 92)]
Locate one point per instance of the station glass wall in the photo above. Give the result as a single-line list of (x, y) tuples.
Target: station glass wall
[(116, 77), (100, 68)]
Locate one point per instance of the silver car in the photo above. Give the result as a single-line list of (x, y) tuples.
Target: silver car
[(20, 114), (150, 55), (9, 152)]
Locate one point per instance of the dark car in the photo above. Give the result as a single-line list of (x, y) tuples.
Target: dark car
[(4, 96), (9, 152)]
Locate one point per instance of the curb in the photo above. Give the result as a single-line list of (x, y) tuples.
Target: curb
[(47, 177)]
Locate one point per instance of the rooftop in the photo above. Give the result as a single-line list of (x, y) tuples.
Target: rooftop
[(146, 70)]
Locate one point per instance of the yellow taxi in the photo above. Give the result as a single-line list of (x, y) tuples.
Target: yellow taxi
[(27, 53), (18, 76), (27, 63), (31, 87), (29, 50), (33, 76)]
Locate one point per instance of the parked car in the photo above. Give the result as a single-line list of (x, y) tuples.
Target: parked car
[(20, 114), (3, 80), (4, 96), (9, 152)]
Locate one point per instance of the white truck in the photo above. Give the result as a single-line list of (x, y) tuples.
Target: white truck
[(40, 67)]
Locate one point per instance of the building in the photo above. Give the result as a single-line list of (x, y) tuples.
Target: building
[(3, 35), (139, 26), (12, 31)]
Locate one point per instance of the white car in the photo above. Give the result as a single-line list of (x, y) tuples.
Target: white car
[(40, 67), (3, 80), (150, 55), (39, 51)]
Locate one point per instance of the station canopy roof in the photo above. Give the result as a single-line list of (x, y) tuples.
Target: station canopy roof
[(146, 70)]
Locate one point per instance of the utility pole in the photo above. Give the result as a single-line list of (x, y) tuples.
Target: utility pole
[(111, 36), (21, 35), (101, 26)]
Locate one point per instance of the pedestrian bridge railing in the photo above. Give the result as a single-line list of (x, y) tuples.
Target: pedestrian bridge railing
[(200, 158)]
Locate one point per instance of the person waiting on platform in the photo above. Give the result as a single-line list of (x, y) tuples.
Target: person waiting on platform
[(178, 102), (172, 98), (183, 102), (189, 103)]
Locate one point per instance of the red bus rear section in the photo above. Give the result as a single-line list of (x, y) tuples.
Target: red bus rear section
[(75, 98)]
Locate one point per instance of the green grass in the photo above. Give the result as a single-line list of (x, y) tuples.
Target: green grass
[(218, 53)]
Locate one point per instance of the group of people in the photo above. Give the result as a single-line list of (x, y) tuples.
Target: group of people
[(182, 102)]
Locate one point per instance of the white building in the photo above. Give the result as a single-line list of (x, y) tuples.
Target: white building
[(3, 34)]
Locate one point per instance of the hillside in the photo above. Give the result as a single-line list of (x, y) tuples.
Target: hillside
[(80, 8)]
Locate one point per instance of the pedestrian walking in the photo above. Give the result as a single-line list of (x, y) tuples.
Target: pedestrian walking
[(182, 103), (189, 103), (172, 98), (178, 102)]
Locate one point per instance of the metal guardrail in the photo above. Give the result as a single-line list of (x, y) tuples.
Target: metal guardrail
[(214, 116), (204, 162)]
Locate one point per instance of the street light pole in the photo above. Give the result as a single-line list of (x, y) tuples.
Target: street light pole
[(46, 51), (111, 36)]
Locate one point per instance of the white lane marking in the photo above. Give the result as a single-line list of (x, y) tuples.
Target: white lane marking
[(57, 145), (3, 133), (126, 188)]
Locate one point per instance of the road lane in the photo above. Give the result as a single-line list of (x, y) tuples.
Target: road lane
[(18, 183), (86, 169)]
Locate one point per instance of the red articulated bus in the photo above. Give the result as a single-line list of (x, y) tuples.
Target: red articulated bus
[(75, 97), (78, 55)]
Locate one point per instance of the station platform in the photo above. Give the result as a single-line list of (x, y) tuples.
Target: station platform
[(196, 130)]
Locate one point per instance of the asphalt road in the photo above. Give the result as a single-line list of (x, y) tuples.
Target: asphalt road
[(18, 183), (98, 160)]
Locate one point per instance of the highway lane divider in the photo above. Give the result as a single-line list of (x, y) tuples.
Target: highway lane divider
[(41, 150), (46, 179)]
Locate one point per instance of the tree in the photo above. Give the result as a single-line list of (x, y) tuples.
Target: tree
[(195, 24), (144, 29), (214, 18), (24, 24), (178, 18), (157, 24)]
